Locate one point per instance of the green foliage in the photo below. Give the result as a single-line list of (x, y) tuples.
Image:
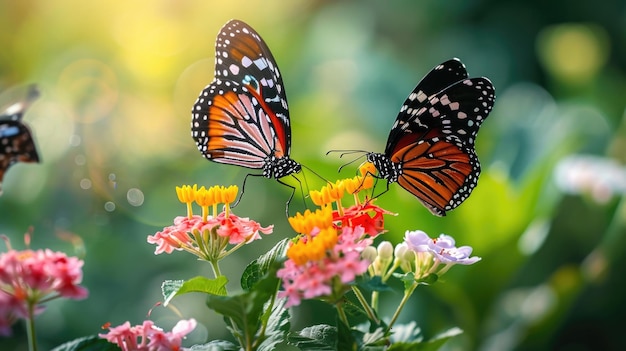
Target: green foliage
[(88, 343), (317, 337), (172, 288), (244, 313), (263, 265)]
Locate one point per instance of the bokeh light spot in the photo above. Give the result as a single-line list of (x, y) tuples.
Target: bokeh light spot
[(109, 206), (135, 197), (85, 184)]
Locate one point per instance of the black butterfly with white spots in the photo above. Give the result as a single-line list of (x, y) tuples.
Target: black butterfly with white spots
[(430, 148)]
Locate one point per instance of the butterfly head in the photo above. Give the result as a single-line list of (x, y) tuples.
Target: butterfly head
[(386, 169)]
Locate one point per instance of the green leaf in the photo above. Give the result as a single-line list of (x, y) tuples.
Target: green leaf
[(171, 288), (409, 332), (277, 327), (347, 337), (374, 283), (321, 337), (431, 345), (262, 265), (215, 345), (88, 343), (245, 310)]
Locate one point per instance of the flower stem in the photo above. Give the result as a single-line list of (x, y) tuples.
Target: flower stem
[(407, 293), (216, 268), (342, 314), (30, 327), (375, 295), (370, 313)]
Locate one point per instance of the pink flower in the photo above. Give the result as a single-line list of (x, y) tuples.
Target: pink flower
[(330, 275), (239, 230), (28, 277), (175, 236), (207, 238), (148, 337)]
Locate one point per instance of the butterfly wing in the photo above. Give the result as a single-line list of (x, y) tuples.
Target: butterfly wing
[(445, 102), (439, 78), (16, 140), (242, 117)]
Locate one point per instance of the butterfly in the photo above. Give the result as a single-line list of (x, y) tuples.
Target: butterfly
[(430, 148), (241, 118), (16, 140)]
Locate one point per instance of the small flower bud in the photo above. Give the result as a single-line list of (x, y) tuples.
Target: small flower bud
[(369, 253), (400, 250), (385, 250)]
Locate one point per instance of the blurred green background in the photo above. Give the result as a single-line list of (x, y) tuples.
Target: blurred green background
[(118, 79)]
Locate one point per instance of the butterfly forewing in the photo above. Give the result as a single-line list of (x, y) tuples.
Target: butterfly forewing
[(242, 56), (438, 79), (459, 110)]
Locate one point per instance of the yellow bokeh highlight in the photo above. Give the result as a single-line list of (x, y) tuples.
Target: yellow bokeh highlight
[(573, 52)]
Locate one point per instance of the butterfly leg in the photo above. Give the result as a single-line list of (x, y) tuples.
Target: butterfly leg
[(243, 188), (293, 192)]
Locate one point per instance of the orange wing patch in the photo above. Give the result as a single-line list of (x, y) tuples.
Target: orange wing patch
[(433, 171)]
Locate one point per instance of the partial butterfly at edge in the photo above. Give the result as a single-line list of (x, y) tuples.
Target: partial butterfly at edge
[(16, 140)]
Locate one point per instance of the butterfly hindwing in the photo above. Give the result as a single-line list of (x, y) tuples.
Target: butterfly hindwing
[(440, 173)]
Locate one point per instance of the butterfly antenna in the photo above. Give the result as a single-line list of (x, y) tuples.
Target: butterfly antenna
[(243, 188), (317, 174), (346, 152)]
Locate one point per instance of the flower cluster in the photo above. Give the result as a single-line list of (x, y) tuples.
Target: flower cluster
[(148, 337), (327, 257), (207, 235), (29, 278), (424, 255)]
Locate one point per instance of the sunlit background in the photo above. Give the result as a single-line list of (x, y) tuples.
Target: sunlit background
[(119, 78)]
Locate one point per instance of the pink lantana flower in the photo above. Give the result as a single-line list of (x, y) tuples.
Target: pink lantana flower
[(331, 275), (29, 277), (148, 337), (208, 238)]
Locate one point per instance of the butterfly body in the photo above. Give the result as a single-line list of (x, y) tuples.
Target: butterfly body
[(242, 117), (16, 141), (430, 148)]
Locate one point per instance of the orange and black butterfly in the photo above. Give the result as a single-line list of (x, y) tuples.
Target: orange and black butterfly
[(430, 149), (242, 117), (16, 140)]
